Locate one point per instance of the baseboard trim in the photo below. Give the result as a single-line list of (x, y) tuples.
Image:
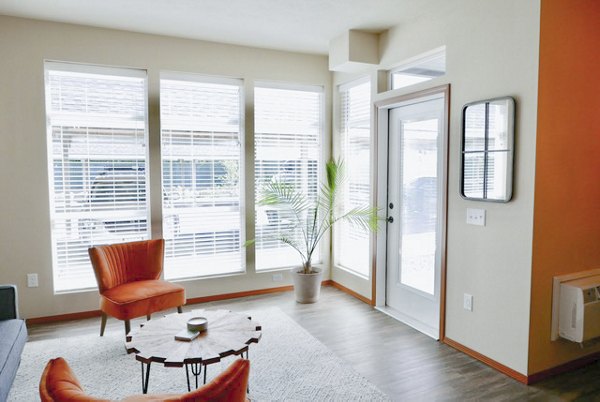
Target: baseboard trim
[(349, 291), (246, 293), (522, 378), (63, 317), (194, 300), (563, 368)]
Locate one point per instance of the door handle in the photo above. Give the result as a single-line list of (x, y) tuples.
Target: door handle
[(390, 219)]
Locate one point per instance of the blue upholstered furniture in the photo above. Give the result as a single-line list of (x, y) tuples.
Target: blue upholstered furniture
[(13, 335)]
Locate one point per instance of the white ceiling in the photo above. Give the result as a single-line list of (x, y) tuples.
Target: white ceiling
[(294, 25)]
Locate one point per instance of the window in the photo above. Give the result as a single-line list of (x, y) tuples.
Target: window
[(97, 147), (201, 157), (351, 246), (424, 68), (288, 130)]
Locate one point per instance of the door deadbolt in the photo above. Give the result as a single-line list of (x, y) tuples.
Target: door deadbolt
[(391, 205)]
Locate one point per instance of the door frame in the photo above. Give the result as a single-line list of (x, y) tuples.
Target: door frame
[(379, 179)]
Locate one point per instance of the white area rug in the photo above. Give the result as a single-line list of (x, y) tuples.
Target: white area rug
[(287, 364)]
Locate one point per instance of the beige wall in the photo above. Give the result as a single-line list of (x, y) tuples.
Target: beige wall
[(24, 212), (492, 50)]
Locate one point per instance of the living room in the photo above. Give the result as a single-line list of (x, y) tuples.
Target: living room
[(280, 78)]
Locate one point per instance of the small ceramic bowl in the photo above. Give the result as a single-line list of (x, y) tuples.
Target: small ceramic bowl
[(197, 324)]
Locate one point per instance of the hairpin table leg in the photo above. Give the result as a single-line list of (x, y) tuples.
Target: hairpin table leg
[(146, 377)]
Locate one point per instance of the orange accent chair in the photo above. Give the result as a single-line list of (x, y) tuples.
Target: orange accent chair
[(128, 276), (58, 384)]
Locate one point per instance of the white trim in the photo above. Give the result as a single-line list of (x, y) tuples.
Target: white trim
[(411, 322), (200, 78), (82, 68), (382, 107), (289, 86), (415, 61), (242, 177), (351, 271), (418, 59), (353, 83)]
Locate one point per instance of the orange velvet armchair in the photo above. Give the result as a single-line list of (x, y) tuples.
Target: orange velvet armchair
[(128, 276), (58, 384)]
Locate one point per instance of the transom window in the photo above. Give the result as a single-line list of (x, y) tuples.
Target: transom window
[(422, 68)]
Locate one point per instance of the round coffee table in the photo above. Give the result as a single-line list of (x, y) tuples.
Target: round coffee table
[(228, 334)]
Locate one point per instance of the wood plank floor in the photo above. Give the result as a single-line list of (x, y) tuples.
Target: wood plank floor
[(402, 362)]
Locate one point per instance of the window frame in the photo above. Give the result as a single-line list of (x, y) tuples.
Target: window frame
[(96, 69), (321, 175), (224, 80), (416, 61), (341, 87)]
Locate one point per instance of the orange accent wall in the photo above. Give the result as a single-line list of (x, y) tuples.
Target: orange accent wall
[(566, 232)]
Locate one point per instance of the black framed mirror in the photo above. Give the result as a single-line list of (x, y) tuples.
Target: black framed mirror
[(487, 151)]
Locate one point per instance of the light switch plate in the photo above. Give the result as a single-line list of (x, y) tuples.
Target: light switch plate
[(476, 216), (468, 302)]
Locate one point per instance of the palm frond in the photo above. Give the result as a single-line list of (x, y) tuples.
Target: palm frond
[(279, 193), (336, 175), (292, 243), (314, 217), (364, 217)]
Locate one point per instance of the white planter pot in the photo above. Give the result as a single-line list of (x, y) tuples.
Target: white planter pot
[(307, 287)]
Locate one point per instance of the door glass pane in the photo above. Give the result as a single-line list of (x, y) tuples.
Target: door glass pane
[(419, 177)]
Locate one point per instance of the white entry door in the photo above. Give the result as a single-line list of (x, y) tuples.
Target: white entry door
[(416, 211)]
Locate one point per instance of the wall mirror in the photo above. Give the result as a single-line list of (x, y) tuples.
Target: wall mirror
[(488, 150)]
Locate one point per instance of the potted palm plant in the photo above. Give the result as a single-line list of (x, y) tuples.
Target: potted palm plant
[(310, 220)]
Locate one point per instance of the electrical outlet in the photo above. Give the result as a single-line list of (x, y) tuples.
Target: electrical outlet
[(468, 302), (32, 280), (476, 216), (277, 277)]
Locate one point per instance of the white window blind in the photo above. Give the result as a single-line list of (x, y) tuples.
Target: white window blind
[(97, 136), (351, 244), (201, 157), (288, 130)]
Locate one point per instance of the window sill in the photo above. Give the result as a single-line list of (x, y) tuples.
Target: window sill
[(352, 272)]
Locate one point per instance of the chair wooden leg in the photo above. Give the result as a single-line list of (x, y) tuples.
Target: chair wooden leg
[(127, 327), (103, 324), (148, 317), (180, 309)]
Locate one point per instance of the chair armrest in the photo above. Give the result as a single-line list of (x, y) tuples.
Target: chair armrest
[(8, 302)]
